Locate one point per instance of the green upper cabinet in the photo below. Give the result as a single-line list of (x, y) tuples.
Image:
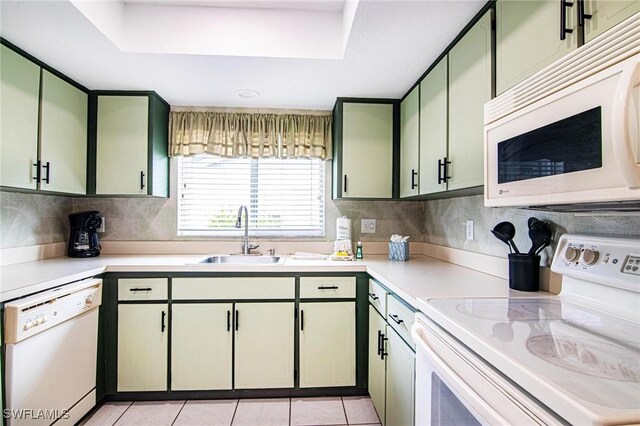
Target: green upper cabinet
[(409, 143), (131, 145), (19, 92), (433, 127), (604, 14), (363, 149), (528, 38), (63, 136), (44, 128), (469, 89)]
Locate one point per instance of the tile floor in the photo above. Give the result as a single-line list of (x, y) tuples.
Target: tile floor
[(353, 410)]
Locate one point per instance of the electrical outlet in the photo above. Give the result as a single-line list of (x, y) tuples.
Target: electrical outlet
[(101, 228), (368, 226), (469, 230)]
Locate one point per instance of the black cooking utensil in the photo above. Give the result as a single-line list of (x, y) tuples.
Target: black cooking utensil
[(505, 231), (540, 234)]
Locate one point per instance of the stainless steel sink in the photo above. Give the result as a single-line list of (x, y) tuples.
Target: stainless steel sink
[(243, 259)]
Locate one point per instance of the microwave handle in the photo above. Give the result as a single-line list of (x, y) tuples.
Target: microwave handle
[(620, 129)]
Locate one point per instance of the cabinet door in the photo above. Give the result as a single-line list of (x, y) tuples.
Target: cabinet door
[(327, 344), (606, 14), (19, 103), (142, 347), (122, 145), (377, 373), (409, 143), (367, 150), (63, 140), (264, 345), (433, 127), (201, 346), (401, 361), (528, 38), (469, 90)]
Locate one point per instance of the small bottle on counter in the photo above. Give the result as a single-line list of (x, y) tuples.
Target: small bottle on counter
[(359, 250)]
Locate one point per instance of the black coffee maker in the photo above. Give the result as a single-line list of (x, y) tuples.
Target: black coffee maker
[(83, 241)]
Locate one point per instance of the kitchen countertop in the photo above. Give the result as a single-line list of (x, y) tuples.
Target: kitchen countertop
[(415, 281)]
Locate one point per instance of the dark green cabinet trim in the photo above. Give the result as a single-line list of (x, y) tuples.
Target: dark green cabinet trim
[(337, 124)]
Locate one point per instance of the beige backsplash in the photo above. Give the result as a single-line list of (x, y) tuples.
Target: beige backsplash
[(29, 219)]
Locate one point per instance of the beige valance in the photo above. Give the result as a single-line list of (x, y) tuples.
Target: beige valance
[(255, 135)]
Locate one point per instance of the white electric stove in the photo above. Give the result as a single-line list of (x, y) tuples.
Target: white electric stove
[(572, 358)]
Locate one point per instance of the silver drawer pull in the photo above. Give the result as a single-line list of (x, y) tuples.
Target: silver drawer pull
[(395, 319)]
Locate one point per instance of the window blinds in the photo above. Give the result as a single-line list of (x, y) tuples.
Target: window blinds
[(284, 197)]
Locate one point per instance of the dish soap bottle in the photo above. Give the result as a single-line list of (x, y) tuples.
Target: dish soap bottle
[(359, 250)]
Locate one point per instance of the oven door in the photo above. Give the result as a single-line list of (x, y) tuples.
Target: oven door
[(454, 386), (578, 145)]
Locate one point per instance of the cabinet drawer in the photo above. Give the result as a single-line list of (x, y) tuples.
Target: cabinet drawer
[(234, 288), (400, 317), (378, 297), (327, 287), (143, 288)]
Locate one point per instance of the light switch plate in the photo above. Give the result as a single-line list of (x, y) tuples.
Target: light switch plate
[(469, 230), (368, 226)]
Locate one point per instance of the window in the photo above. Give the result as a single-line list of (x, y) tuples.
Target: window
[(284, 197)]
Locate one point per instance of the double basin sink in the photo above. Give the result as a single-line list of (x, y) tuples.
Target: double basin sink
[(243, 259)]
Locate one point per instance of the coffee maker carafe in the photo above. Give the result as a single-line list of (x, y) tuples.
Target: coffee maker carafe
[(83, 241)]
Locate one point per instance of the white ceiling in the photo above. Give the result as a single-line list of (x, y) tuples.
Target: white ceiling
[(381, 53)]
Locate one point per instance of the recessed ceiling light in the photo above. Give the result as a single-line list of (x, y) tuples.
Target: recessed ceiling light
[(247, 93)]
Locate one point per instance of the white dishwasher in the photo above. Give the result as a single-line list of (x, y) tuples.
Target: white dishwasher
[(51, 354)]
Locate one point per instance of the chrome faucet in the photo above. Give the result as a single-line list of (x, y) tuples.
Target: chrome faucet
[(246, 245)]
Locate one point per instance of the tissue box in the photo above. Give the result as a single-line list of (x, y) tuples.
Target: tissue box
[(399, 251)]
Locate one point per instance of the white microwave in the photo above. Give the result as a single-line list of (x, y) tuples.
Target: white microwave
[(569, 134)]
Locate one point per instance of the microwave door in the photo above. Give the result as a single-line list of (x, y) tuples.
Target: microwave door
[(560, 149)]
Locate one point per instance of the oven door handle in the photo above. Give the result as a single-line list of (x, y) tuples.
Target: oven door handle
[(481, 407), (621, 128)]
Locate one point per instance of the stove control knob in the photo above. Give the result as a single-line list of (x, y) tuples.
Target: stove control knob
[(88, 301), (589, 257), (571, 254)]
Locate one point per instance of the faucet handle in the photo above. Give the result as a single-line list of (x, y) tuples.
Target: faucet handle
[(272, 251), (251, 246)]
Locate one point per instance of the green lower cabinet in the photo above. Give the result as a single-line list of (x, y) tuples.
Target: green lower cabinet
[(201, 338), (401, 362), (377, 369), (264, 345), (327, 344), (142, 347), (391, 373)]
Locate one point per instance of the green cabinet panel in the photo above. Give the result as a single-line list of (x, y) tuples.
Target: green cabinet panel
[(433, 127), (528, 38), (401, 361), (131, 145), (264, 345), (469, 89), (327, 344), (377, 364), (201, 346), (19, 103), (409, 143), (142, 347), (363, 149), (606, 14), (63, 136)]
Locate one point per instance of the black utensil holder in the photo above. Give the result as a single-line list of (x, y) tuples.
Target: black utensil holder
[(524, 272)]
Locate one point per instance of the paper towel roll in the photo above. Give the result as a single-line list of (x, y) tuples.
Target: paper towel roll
[(343, 228)]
